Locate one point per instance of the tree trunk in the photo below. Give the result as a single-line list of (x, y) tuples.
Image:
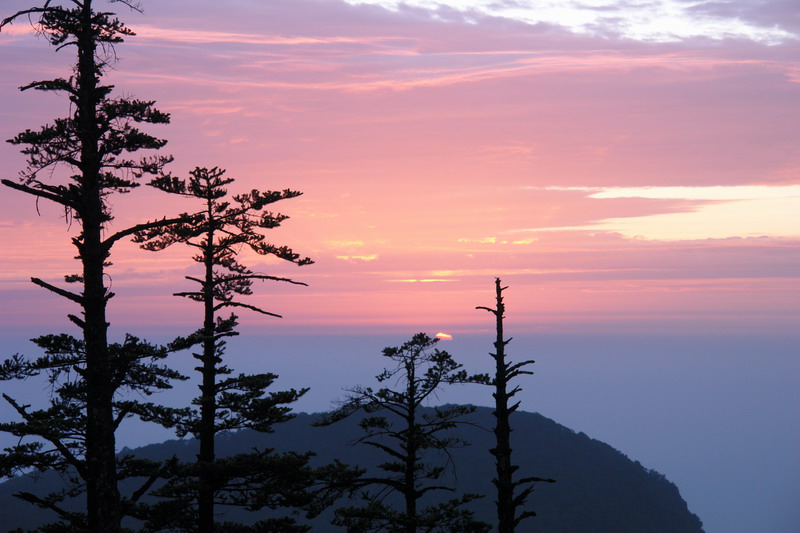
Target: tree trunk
[(101, 491), (502, 430), (207, 456), (412, 446)]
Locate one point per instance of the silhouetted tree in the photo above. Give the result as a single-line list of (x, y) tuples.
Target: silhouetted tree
[(395, 427), (511, 494), (261, 478), (93, 143)]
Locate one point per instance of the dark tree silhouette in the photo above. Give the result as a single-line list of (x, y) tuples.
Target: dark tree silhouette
[(94, 142), (396, 428), (226, 403), (511, 494)]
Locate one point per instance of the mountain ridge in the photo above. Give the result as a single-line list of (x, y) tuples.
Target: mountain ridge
[(598, 489)]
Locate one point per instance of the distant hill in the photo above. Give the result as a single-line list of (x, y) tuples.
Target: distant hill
[(598, 489)]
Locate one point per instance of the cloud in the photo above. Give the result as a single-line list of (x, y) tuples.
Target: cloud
[(358, 258), (719, 192), (183, 36), (347, 245), (423, 280), (772, 15), (482, 240), (208, 107), (774, 217), (14, 32), (347, 77), (656, 20), (716, 212)]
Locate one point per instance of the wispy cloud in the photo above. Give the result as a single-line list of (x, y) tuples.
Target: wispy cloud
[(358, 258), (423, 280), (715, 212), (718, 192), (776, 217), (183, 36), (652, 20), (14, 31), (407, 78)]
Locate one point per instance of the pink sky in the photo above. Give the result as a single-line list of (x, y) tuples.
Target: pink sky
[(629, 168), (612, 182)]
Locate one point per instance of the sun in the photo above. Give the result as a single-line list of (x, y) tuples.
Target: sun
[(444, 336)]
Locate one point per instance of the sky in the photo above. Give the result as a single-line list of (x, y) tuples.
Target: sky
[(630, 169)]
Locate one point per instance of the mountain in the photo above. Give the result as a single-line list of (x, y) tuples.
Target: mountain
[(597, 489)]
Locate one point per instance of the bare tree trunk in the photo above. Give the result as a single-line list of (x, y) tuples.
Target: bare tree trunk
[(502, 430), (511, 495)]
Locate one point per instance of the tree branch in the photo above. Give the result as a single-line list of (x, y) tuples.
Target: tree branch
[(44, 504), (61, 292), (63, 450), (40, 193), (142, 227), (258, 276), (121, 416), (136, 496), (77, 321), (43, 9), (246, 306)]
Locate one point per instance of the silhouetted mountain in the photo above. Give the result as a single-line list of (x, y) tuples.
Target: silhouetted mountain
[(598, 489)]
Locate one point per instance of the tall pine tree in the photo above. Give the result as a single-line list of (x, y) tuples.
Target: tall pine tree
[(94, 143), (230, 224)]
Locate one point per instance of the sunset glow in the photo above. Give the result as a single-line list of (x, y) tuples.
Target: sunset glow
[(618, 179)]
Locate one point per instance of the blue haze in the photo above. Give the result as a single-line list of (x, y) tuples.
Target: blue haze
[(716, 414)]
